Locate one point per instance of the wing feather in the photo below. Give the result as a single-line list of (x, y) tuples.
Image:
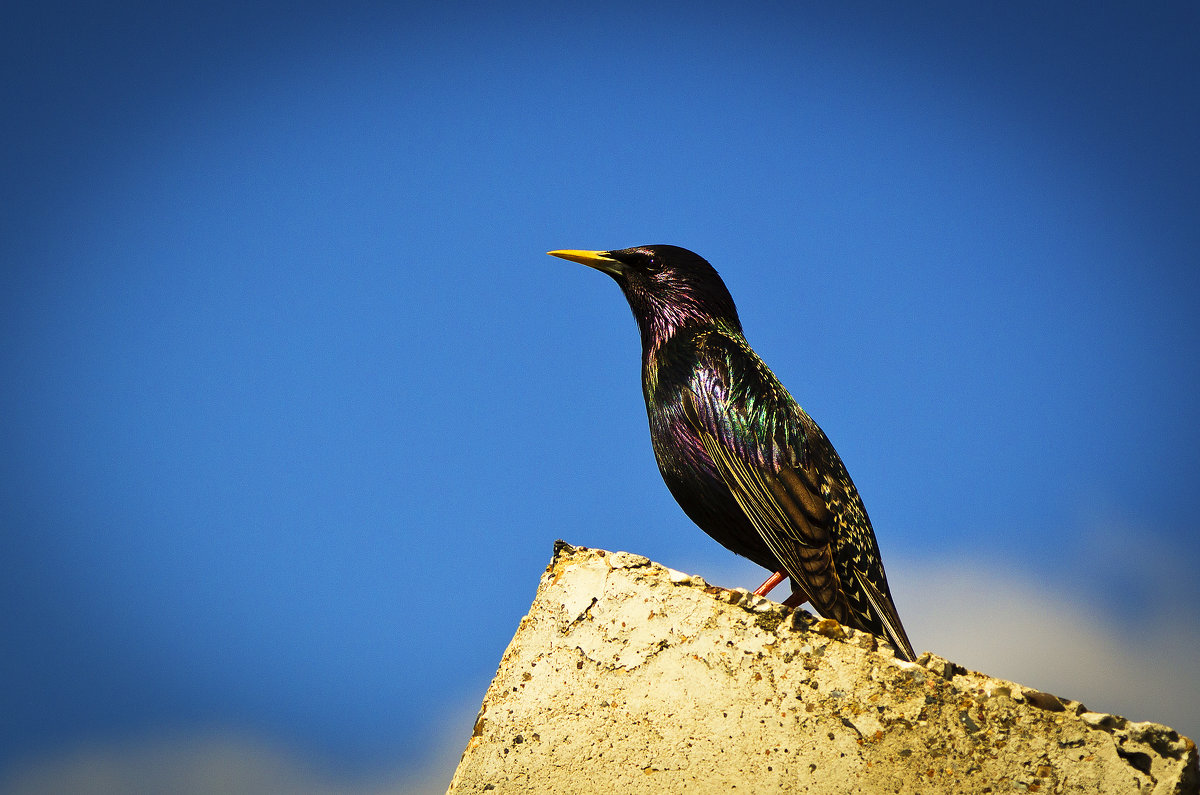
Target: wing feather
[(787, 512), (787, 481)]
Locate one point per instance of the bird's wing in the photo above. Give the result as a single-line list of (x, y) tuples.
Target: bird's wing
[(780, 493), (788, 481)]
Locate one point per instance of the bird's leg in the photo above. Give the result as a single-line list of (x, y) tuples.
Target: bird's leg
[(797, 598), (799, 595), (771, 582)]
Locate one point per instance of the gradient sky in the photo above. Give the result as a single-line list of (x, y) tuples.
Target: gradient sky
[(293, 405)]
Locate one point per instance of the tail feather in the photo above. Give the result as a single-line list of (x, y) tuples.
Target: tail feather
[(886, 612)]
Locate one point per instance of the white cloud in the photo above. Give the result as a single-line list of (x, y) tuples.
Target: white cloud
[(1002, 623), (229, 763), (204, 764)]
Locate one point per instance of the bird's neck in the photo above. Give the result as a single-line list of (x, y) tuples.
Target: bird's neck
[(666, 321), (669, 348)]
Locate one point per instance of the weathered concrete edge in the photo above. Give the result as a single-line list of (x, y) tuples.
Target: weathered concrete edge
[(1178, 751), (1168, 742)]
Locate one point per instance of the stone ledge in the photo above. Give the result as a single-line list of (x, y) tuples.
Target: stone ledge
[(630, 677)]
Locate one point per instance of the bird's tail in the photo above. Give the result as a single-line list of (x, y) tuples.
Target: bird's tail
[(886, 612)]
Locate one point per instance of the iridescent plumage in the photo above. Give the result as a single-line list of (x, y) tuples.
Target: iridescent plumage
[(740, 456)]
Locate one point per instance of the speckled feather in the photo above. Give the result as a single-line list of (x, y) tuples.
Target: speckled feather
[(737, 452)]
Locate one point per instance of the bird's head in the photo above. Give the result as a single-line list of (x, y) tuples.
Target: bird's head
[(667, 287)]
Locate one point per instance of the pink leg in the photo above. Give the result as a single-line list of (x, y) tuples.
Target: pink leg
[(796, 599), (771, 582)]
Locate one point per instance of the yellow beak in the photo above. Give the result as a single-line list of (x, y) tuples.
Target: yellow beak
[(600, 260)]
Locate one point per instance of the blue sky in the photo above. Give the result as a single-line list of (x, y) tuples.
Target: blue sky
[(294, 405)]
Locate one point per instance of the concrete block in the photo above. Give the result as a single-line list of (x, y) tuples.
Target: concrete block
[(629, 677)]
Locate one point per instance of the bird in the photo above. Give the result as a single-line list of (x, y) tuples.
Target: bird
[(744, 461)]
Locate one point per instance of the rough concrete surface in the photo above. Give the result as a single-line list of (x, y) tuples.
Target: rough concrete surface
[(629, 677)]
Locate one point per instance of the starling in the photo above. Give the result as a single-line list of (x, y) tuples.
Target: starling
[(740, 456)]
